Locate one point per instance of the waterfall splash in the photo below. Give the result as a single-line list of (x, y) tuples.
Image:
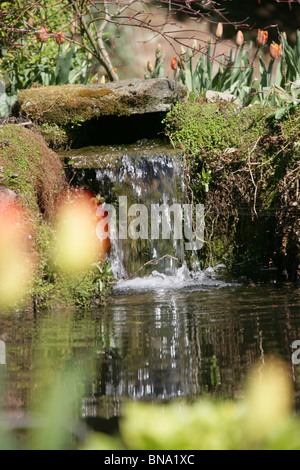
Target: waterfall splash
[(147, 173)]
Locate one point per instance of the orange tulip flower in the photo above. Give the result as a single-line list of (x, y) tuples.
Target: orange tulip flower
[(43, 34), (174, 65), (275, 50), (59, 37), (262, 38)]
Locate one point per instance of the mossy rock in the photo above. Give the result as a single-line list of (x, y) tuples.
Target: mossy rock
[(33, 176), (29, 168), (68, 105), (244, 166)]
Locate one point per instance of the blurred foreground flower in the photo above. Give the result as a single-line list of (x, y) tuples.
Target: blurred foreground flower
[(16, 259), (77, 246), (269, 397)]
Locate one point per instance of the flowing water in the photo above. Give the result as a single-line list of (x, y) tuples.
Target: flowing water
[(145, 173), (167, 332)]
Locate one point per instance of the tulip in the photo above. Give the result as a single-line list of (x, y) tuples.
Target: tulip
[(239, 39), (43, 34), (174, 64), (59, 37), (150, 67), (158, 52), (114, 69), (275, 50), (31, 21), (195, 44), (219, 32), (262, 38)]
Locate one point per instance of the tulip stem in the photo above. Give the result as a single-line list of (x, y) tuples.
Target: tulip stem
[(271, 68), (255, 55), (236, 53)]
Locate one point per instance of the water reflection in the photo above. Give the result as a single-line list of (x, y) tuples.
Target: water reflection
[(153, 345), (2, 353)]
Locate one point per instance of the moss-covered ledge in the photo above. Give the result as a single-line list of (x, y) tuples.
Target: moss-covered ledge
[(245, 168), (63, 111), (32, 175)]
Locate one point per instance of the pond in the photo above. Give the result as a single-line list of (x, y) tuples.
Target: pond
[(157, 340)]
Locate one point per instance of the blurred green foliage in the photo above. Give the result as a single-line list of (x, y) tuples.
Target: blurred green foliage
[(263, 420)]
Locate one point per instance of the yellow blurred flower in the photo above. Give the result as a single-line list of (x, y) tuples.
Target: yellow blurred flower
[(77, 246)]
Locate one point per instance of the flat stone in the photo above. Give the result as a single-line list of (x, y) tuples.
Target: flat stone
[(215, 96), (73, 104)]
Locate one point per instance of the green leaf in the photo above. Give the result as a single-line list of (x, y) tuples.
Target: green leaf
[(64, 67), (189, 79)]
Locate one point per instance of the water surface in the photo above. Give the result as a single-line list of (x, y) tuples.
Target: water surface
[(153, 341)]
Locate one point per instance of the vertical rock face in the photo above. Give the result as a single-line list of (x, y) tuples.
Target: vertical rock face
[(63, 105)]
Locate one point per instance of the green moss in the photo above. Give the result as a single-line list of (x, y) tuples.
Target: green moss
[(94, 93), (244, 166), (78, 290), (55, 137), (67, 104), (198, 126)]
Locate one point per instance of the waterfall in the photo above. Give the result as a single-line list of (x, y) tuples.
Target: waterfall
[(147, 173)]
